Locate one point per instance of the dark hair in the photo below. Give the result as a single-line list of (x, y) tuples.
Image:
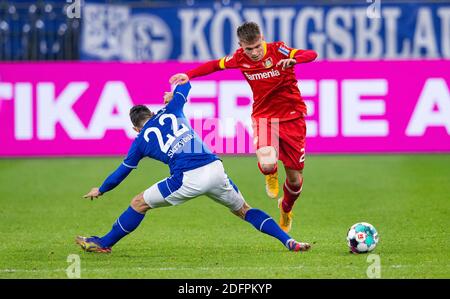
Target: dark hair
[(139, 114), (248, 32)]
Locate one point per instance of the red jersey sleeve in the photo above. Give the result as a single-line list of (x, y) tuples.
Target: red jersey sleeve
[(301, 56), (229, 62), (204, 69)]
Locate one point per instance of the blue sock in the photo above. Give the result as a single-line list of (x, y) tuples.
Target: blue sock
[(264, 223), (125, 224)]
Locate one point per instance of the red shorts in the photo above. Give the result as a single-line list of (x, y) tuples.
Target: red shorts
[(287, 137)]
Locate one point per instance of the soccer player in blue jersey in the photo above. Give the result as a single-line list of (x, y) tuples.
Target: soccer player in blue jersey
[(194, 170)]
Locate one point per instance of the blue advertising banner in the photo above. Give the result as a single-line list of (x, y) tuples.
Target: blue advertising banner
[(372, 30)]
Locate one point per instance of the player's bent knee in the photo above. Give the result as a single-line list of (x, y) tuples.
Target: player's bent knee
[(139, 205), (294, 177), (267, 156)]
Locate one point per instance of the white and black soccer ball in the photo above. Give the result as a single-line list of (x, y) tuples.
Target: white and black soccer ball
[(362, 237)]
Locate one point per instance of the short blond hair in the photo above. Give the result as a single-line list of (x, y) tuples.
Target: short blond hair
[(248, 32)]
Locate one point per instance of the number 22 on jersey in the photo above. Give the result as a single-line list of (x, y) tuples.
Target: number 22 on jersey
[(177, 131)]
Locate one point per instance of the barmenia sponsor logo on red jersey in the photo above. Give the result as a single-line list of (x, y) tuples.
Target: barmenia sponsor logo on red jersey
[(263, 75)]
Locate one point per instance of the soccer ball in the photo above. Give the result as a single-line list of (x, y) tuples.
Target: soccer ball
[(362, 237)]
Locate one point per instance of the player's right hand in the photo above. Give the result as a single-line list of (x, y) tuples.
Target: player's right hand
[(179, 78), (168, 96), (94, 193)]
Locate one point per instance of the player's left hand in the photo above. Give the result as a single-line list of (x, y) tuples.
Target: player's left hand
[(286, 63), (94, 193)]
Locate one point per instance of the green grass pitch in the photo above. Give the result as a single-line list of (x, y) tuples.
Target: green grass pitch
[(406, 197)]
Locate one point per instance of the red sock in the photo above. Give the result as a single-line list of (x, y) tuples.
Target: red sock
[(290, 195), (268, 172)]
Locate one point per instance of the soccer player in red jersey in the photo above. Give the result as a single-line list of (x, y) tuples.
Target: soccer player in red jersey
[(278, 108)]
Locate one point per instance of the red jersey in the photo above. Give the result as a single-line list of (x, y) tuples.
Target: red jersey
[(275, 91)]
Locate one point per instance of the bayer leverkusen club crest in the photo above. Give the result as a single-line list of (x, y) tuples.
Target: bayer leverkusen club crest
[(268, 63)]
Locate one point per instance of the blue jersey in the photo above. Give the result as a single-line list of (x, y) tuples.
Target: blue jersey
[(166, 137)]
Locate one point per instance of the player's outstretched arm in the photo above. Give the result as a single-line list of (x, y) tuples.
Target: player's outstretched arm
[(182, 89), (303, 56), (110, 183), (202, 70), (177, 98), (300, 56)]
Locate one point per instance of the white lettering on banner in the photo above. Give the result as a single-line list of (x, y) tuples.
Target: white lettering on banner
[(284, 18), (193, 36), (6, 91), (424, 37), (280, 18), (309, 89), (336, 33), (51, 110), (391, 15), (254, 15), (435, 94), (23, 111), (218, 25), (444, 14), (328, 108), (353, 107), (359, 116), (305, 16), (114, 97), (111, 111), (367, 33)]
